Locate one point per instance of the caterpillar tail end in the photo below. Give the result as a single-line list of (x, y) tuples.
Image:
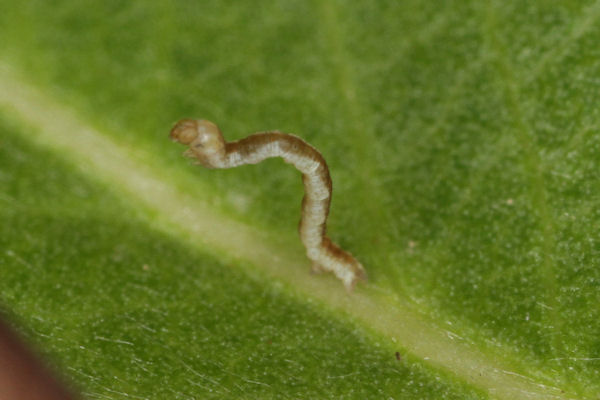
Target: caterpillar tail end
[(356, 274), (350, 271)]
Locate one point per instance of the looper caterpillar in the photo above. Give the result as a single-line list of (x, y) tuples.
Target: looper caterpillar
[(206, 143)]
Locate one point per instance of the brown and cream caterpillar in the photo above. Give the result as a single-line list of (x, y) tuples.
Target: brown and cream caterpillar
[(208, 146)]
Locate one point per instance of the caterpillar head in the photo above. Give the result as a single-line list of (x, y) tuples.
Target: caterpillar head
[(204, 138)]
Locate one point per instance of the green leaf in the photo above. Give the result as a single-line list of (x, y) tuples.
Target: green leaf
[(128, 311), (463, 144)]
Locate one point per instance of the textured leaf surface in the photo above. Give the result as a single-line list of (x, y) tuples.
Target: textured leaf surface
[(462, 138), (131, 313)]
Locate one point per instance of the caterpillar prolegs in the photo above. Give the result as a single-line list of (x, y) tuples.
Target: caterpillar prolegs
[(206, 143)]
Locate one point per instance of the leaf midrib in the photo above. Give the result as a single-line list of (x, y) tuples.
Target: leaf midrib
[(195, 223)]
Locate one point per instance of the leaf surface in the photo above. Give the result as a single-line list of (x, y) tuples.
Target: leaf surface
[(462, 140)]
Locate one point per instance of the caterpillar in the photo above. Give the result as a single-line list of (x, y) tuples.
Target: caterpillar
[(207, 145)]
